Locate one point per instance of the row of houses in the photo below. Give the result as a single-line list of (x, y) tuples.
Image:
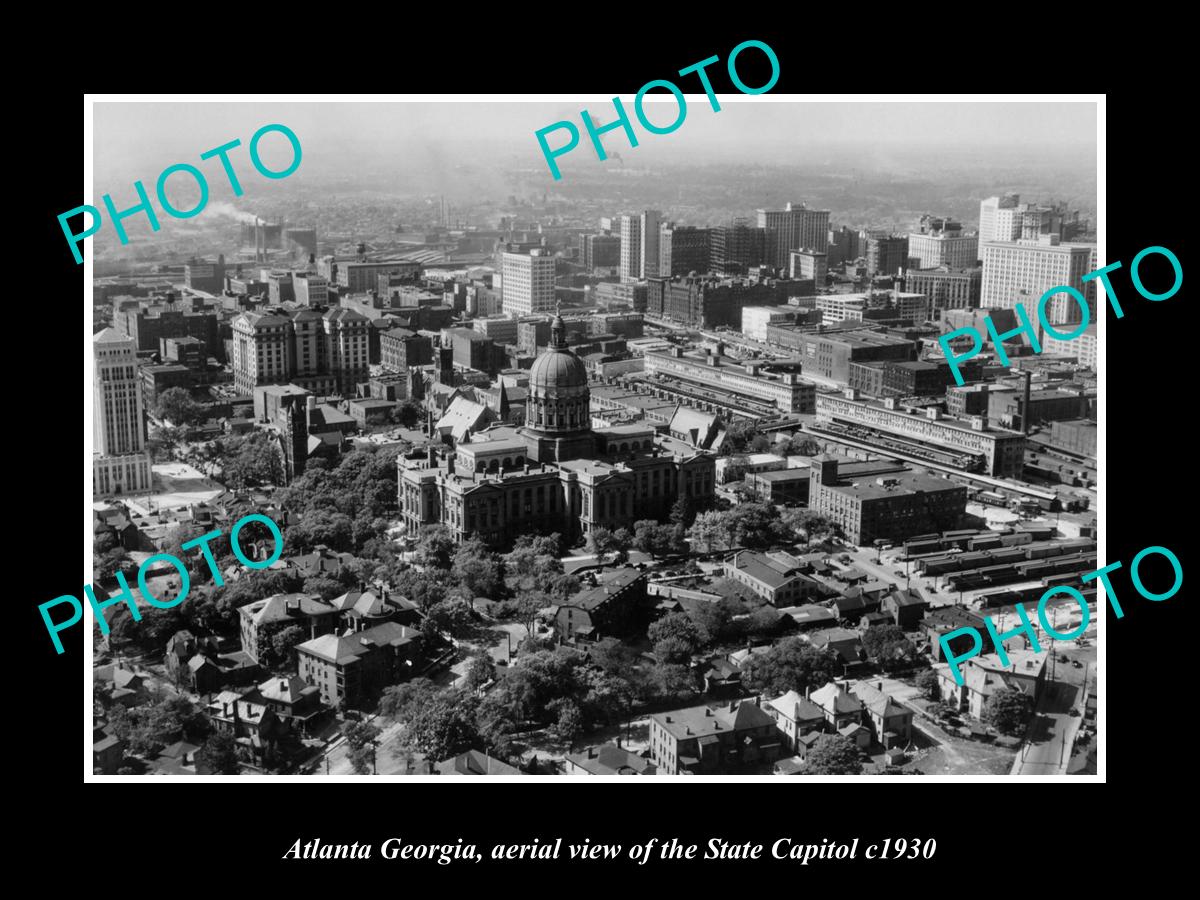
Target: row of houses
[(747, 734)]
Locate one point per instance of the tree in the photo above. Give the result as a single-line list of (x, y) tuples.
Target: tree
[(833, 754), (569, 720), (250, 459), (444, 726), (435, 548), (220, 753), (533, 563), (194, 558), (360, 740), (790, 665), (807, 525), (670, 682), (675, 638), (452, 617), (889, 646), (927, 684), (529, 605), (682, 512), (604, 542), (108, 564), (400, 702), (321, 526), (1007, 710), (326, 588), (481, 671), (707, 531), (658, 540), (477, 569), (278, 651), (410, 414), (420, 587), (176, 405)]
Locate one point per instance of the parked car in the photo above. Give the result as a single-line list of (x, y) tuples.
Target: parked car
[(1077, 664)]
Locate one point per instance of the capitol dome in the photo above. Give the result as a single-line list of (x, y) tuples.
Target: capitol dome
[(558, 387), (557, 370)]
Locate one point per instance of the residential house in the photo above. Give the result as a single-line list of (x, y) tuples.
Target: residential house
[(360, 610), (473, 762), (845, 643), (107, 752), (839, 705), (115, 684), (251, 722), (937, 622), (608, 759), (984, 675), (262, 618), (322, 562), (890, 721), (795, 716), (906, 607), (297, 703), (704, 740), (613, 608), (178, 759), (350, 670)]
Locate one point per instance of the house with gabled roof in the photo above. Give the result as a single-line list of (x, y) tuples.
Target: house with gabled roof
[(840, 706), (352, 668), (795, 716), (608, 759), (710, 740), (890, 721), (260, 619)]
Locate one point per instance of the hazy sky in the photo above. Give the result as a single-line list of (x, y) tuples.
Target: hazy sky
[(138, 140)]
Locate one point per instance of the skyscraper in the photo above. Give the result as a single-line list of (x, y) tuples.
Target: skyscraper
[(120, 463), (682, 249), (649, 240), (796, 228), (630, 228), (1020, 272), (528, 283)]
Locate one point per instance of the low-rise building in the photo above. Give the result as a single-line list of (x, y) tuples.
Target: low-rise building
[(796, 716), (984, 675), (703, 740), (608, 759), (610, 609), (262, 618), (775, 577), (351, 670)]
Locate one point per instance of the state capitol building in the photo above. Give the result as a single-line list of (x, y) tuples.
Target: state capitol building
[(554, 474)]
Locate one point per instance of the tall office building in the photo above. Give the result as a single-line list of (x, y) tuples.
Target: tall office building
[(737, 247), (324, 353), (650, 221), (809, 264), (795, 228), (630, 229), (120, 462), (683, 250), (528, 283), (887, 255), (1020, 272), (999, 218), (943, 246), (1008, 219)]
